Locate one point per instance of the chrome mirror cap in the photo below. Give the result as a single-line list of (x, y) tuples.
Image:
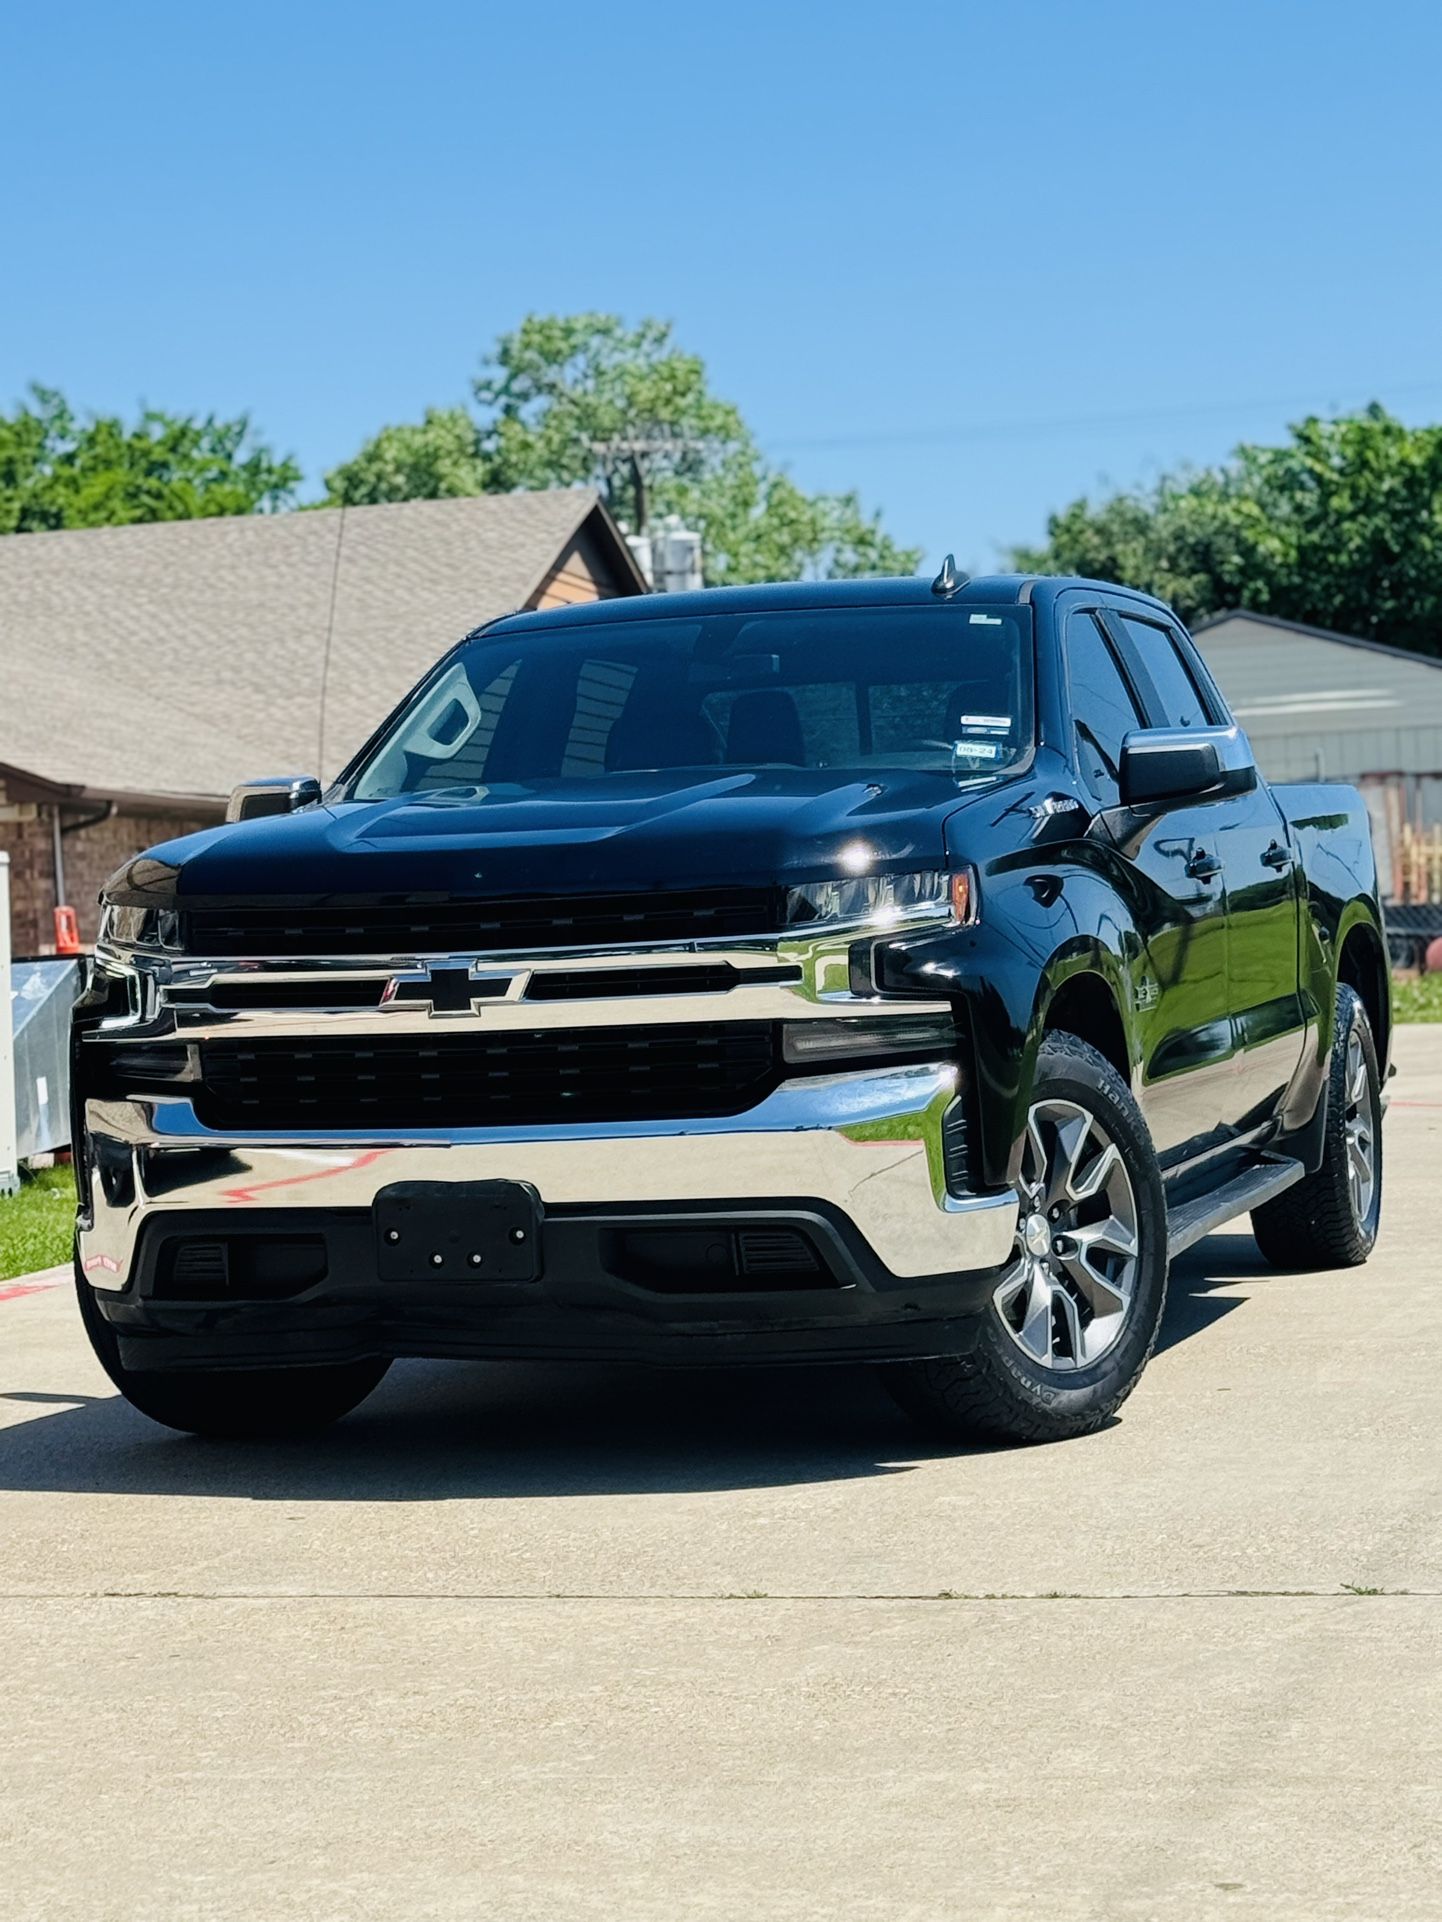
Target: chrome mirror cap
[(280, 794), (1168, 764)]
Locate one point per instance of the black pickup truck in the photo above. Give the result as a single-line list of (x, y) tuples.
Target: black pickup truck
[(887, 970)]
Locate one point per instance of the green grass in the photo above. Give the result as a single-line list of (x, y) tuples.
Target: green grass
[(1417, 1000), (37, 1224)]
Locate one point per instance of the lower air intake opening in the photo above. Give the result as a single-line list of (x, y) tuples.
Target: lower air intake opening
[(719, 1261)]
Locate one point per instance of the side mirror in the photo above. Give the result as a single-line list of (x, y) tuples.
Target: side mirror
[(1185, 764), (282, 794)]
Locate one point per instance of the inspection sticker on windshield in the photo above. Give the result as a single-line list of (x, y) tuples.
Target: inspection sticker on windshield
[(977, 750), (984, 620), (986, 723)]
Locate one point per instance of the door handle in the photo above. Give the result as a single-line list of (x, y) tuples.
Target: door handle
[(1277, 857), (1203, 866)]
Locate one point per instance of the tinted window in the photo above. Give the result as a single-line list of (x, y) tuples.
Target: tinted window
[(827, 715), (1181, 701), (1103, 711), (946, 690)]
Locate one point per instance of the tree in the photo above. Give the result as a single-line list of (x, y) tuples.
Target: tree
[(1340, 527), (582, 399), (434, 459), (57, 470)]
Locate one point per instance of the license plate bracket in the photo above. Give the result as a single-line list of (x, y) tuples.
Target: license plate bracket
[(458, 1231)]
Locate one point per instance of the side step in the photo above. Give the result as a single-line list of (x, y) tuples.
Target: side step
[(1190, 1220)]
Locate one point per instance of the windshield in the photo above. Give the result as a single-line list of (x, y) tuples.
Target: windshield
[(947, 689)]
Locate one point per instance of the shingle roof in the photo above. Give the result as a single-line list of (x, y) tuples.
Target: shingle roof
[(1312, 633), (181, 657)]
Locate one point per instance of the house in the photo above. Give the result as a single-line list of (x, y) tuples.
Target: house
[(1320, 706), (145, 670)]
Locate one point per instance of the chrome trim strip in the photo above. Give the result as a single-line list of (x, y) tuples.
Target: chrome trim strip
[(869, 1143), (499, 1015), (823, 962)]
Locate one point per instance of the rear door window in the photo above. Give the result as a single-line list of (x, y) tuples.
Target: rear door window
[(1168, 685)]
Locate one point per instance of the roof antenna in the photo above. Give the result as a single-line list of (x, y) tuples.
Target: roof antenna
[(948, 580)]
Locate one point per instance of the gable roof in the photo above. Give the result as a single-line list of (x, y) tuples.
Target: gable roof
[(1312, 633), (1290, 683), (182, 656)]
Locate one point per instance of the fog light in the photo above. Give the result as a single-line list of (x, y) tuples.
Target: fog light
[(866, 1038), (142, 1064)]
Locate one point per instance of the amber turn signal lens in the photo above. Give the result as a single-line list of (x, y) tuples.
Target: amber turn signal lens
[(964, 903)]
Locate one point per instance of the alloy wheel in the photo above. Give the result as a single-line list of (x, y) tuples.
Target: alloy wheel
[(1359, 1131), (1065, 1298)]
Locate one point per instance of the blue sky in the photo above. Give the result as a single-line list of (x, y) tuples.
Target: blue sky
[(972, 260)]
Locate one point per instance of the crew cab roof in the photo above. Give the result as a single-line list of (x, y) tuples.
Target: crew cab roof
[(769, 597)]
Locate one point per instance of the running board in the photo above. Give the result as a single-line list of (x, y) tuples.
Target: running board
[(1191, 1220)]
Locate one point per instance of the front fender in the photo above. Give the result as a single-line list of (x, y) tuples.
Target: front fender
[(1039, 926)]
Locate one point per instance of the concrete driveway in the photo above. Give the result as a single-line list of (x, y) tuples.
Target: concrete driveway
[(553, 1644)]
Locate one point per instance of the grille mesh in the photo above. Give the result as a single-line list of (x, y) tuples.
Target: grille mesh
[(542, 1076), (457, 927)]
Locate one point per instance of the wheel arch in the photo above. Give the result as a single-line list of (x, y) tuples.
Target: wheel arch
[(1081, 991), (1362, 965), (1085, 1003)]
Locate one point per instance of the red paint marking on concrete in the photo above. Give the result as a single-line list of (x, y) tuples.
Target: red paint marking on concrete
[(12, 1290), (311, 1174), (1395, 1103)]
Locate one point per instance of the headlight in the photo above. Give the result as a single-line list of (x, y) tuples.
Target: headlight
[(123, 927), (879, 899)]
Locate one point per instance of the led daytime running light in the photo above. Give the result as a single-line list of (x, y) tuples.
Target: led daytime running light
[(878, 900)]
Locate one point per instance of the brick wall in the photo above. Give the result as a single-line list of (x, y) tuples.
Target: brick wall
[(91, 855), (25, 837)]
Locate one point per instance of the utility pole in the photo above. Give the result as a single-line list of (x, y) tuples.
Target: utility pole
[(672, 557), (635, 450)]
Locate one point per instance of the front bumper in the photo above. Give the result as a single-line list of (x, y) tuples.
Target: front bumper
[(854, 1161)]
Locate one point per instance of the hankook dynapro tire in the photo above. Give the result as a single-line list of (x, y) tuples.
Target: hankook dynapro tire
[(1329, 1219), (1074, 1315)]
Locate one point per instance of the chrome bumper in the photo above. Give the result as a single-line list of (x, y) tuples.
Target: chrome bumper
[(867, 1143)]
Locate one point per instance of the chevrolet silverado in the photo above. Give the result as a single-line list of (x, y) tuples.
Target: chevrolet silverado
[(887, 970)]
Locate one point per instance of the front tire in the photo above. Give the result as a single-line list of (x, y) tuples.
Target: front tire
[(1074, 1316), (232, 1404), (1329, 1219)]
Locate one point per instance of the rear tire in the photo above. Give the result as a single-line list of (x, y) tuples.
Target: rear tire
[(1329, 1219), (1067, 1334), (233, 1404)]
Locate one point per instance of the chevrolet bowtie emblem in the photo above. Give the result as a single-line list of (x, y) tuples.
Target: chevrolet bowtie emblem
[(445, 990)]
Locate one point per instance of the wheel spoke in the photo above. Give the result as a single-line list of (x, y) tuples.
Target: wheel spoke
[(1112, 1235), (1072, 1137), (1076, 1339), (1012, 1284), (1034, 1187), (1356, 1075), (1035, 1332), (1107, 1293), (1096, 1176)]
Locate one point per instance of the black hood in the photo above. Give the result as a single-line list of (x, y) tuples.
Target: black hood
[(622, 833)]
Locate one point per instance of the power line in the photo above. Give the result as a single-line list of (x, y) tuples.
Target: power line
[(329, 637), (1056, 424)]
